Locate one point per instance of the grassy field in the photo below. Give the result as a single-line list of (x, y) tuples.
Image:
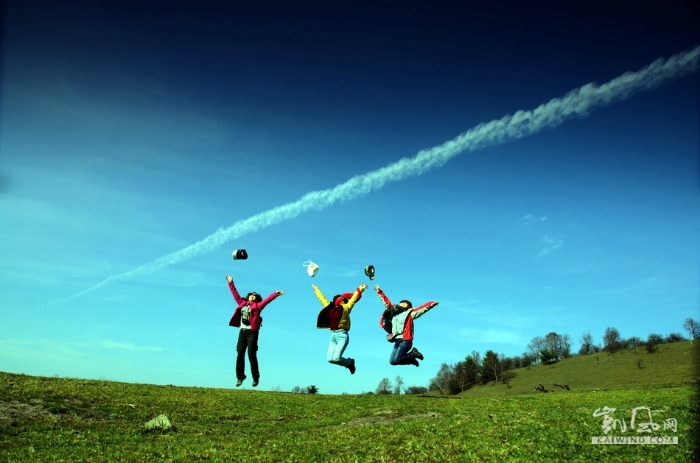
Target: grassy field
[(72, 420), (629, 368)]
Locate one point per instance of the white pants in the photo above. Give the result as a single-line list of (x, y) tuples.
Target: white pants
[(339, 341)]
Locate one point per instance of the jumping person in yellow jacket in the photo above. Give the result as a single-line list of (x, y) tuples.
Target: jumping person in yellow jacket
[(335, 316)]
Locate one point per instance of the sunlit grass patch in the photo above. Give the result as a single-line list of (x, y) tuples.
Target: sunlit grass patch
[(100, 421)]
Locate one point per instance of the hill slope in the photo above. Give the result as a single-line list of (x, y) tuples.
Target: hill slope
[(674, 363)]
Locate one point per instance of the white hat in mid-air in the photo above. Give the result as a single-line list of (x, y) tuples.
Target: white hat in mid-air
[(311, 268)]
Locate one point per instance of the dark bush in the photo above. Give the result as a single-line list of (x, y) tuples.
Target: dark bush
[(312, 390), (416, 390)]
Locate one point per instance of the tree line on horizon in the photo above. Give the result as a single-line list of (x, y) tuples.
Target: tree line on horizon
[(477, 370)]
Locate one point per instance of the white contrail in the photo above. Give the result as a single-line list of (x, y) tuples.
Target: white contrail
[(523, 123)]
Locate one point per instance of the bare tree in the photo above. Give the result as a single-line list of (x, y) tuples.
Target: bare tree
[(384, 386), (555, 346), (611, 340), (566, 346), (297, 390), (692, 327), (535, 347), (586, 343), (441, 381), (476, 358), (399, 385), (506, 376), (552, 344)]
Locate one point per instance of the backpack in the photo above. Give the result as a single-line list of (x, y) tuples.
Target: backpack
[(388, 315), (323, 322)]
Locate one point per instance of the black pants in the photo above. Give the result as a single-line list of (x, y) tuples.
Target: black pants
[(247, 339)]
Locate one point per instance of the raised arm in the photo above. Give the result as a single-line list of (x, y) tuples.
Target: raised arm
[(356, 296), (385, 300), (270, 298), (419, 311), (320, 296), (234, 291)]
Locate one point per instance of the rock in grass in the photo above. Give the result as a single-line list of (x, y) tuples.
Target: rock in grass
[(159, 422)]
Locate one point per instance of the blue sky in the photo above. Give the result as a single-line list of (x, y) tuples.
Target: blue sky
[(133, 130)]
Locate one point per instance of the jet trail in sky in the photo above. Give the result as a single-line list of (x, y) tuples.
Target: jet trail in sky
[(577, 102)]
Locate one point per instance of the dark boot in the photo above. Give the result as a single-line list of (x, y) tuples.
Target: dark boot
[(417, 354)]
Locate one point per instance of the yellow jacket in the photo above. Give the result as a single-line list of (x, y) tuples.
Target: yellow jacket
[(344, 323)]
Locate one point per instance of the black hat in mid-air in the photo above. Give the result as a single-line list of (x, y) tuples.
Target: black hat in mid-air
[(239, 254), (369, 271)]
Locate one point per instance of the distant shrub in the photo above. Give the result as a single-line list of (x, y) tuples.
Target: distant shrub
[(312, 389), (527, 360), (416, 390), (652, 341), (506, 377), (547, 356), (674, 337)]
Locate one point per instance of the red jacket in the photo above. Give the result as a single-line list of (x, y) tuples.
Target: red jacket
[(402, 324), (255, 308)]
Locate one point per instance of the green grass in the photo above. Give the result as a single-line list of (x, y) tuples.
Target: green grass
[(76, 420), (674, 363)]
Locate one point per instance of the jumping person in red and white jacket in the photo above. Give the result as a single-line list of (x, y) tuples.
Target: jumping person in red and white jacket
[(247, 318), (397, 320)]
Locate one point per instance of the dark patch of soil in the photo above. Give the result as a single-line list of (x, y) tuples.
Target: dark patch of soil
[(17, 411)]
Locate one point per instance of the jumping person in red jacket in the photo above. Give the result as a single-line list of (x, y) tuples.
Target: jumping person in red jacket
[(247, 317), (400, 329)]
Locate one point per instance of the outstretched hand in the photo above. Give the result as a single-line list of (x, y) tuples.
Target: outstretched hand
[(435, 304), (363, 286), (279, 292), (376, 287), (314, 286), (229, 279)]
